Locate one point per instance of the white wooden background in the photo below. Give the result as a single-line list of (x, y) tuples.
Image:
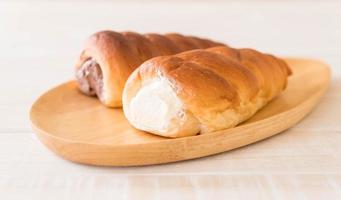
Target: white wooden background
[(40, 40)]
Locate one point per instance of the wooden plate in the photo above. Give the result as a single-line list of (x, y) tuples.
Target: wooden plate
[(80, 129)]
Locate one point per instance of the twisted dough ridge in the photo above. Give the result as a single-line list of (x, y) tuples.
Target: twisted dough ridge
[(110, 57), (218, 88)]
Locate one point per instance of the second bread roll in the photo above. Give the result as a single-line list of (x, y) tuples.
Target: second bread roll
[(201, 91), (110, 57)]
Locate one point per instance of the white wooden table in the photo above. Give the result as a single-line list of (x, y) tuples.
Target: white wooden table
[(40, 40)]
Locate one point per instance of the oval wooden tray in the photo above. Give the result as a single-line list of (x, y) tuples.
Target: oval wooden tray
[(80, 129)]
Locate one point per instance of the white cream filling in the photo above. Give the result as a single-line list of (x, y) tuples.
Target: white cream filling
[(156, 108)]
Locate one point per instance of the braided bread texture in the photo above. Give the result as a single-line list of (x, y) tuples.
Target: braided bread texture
[(110, 57), (202, 91)]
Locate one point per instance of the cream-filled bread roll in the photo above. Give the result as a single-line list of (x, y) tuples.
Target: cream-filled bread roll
[(110, 57), (201, 91)]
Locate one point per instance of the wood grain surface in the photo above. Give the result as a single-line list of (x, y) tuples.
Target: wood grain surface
[(40, 41)]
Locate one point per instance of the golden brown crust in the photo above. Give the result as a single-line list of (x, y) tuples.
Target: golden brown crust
[(118, 54), (220, 86), (163, 44)]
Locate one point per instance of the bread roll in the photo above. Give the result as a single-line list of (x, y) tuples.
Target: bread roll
[(109, 58), (201, 91)]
